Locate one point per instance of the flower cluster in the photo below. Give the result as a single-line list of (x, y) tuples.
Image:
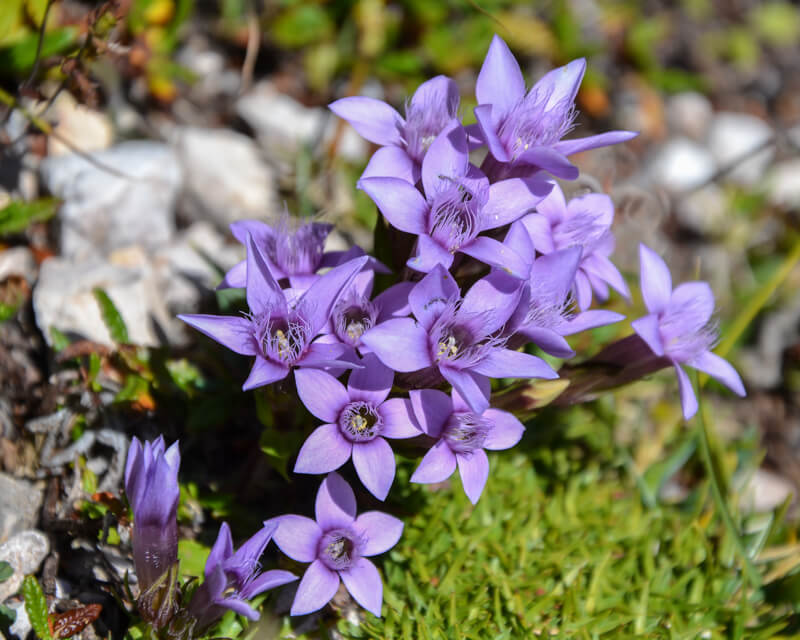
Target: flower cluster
[(421, 357)]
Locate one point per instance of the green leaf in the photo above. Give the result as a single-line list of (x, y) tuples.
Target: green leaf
[(36, 606), (302, 25), (112, 317), (17, 215), (10, 18), (60, 341), (19, 57), (193, 556), (6, 571), (7, 617)]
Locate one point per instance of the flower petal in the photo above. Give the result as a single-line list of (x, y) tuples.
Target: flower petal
[(505, 432), (721, 370), (505, 363), (605, 269), (375, 465), (400, 203), (568, 147), (436, 466), (264, 372), (391, 162), (393, 301), (399, 420), (447, 158), (540, 232), (440, 91), (380, 530), (431, 294), (500, 82), (325, 450), (496, 254), (263, 293), (561, 84), (688, 398), (474, 471), (240, 607), (327, 355), (400, 343), (267, 580), (260, 231), (233, 332), (235, 277), (221, 551), (364, 583), (648, 330), (554, 206), (550, 160), (372, 382), (547, 340), (583, 291), (495, 297), (321, 393), (429, 254), (297, 537), (696, 296), (511, 199), (336, 503), (590, 320), (485, 117), (316, 588), (467, 384), (315, 305), (432, 408), (655, 281), (373, 119)]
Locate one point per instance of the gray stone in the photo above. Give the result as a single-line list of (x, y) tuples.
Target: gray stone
[(764, 491), (77, 127), (127, 200), (681, 164), (25, 552), (64, 297), (226, 177), (689, 114), (783, 184), (285, 125), (17, 261), (733, 138), (19, 506), (22, 624), (762, 365), (704, 211)]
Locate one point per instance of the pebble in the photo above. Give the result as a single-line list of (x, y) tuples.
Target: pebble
[(704, 211), (764, 491), (22, 624), (104, 210), (25, 552), (736, 136), (17, 261), (681, 164), (83, 128), (19, 506), (689, 114), (783, 185)]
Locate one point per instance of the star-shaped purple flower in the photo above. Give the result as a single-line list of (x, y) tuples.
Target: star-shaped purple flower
[(358, 419), (458, 337), (337, 546), (679, 327), (279, 335), (404, 141), (462, 435), (233, 578), (525, 129), (586, 223), (458, 205)]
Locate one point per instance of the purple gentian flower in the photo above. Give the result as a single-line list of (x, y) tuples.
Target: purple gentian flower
[(151, 485), (458, 337), (462, 435), (524, 130), (458, 205), (233, 578), (586, 223), (679, 327), (280, 335), (358, 419), (404, 141), (295, 254), (337, 546), (545, 313)]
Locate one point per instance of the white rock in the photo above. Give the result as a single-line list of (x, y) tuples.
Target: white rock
[(764, 491), (81, 127), (22, 624), (689, 114), (226, 177), (705, 210), (24, 552), (104, 210), (736, 136), (17, 261), (19, 506), (783, 184), (284, 124), (184, 269), (762, 364), (64, 297), (681, 164)]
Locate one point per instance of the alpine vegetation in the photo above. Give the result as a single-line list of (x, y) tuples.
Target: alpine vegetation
[(438, 360)]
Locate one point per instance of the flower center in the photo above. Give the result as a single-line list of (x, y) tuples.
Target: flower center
[(461, 338), (532, 122), (466, 432), (454, 218), (686, 333), (282, 340), (425, 120), (352, 318), (360, 422), (580, 230), (339, 549), (298, 252)]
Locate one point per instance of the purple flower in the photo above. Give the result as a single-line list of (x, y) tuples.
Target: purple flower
[(545, 313), (151, 485), (456, 337), (233, 578), (679, 327), (404, 141), (586, 223), (462, 435), (358, 419), (337, 546), (296, 254), (278, 334), (458, 205), (527, 128)]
